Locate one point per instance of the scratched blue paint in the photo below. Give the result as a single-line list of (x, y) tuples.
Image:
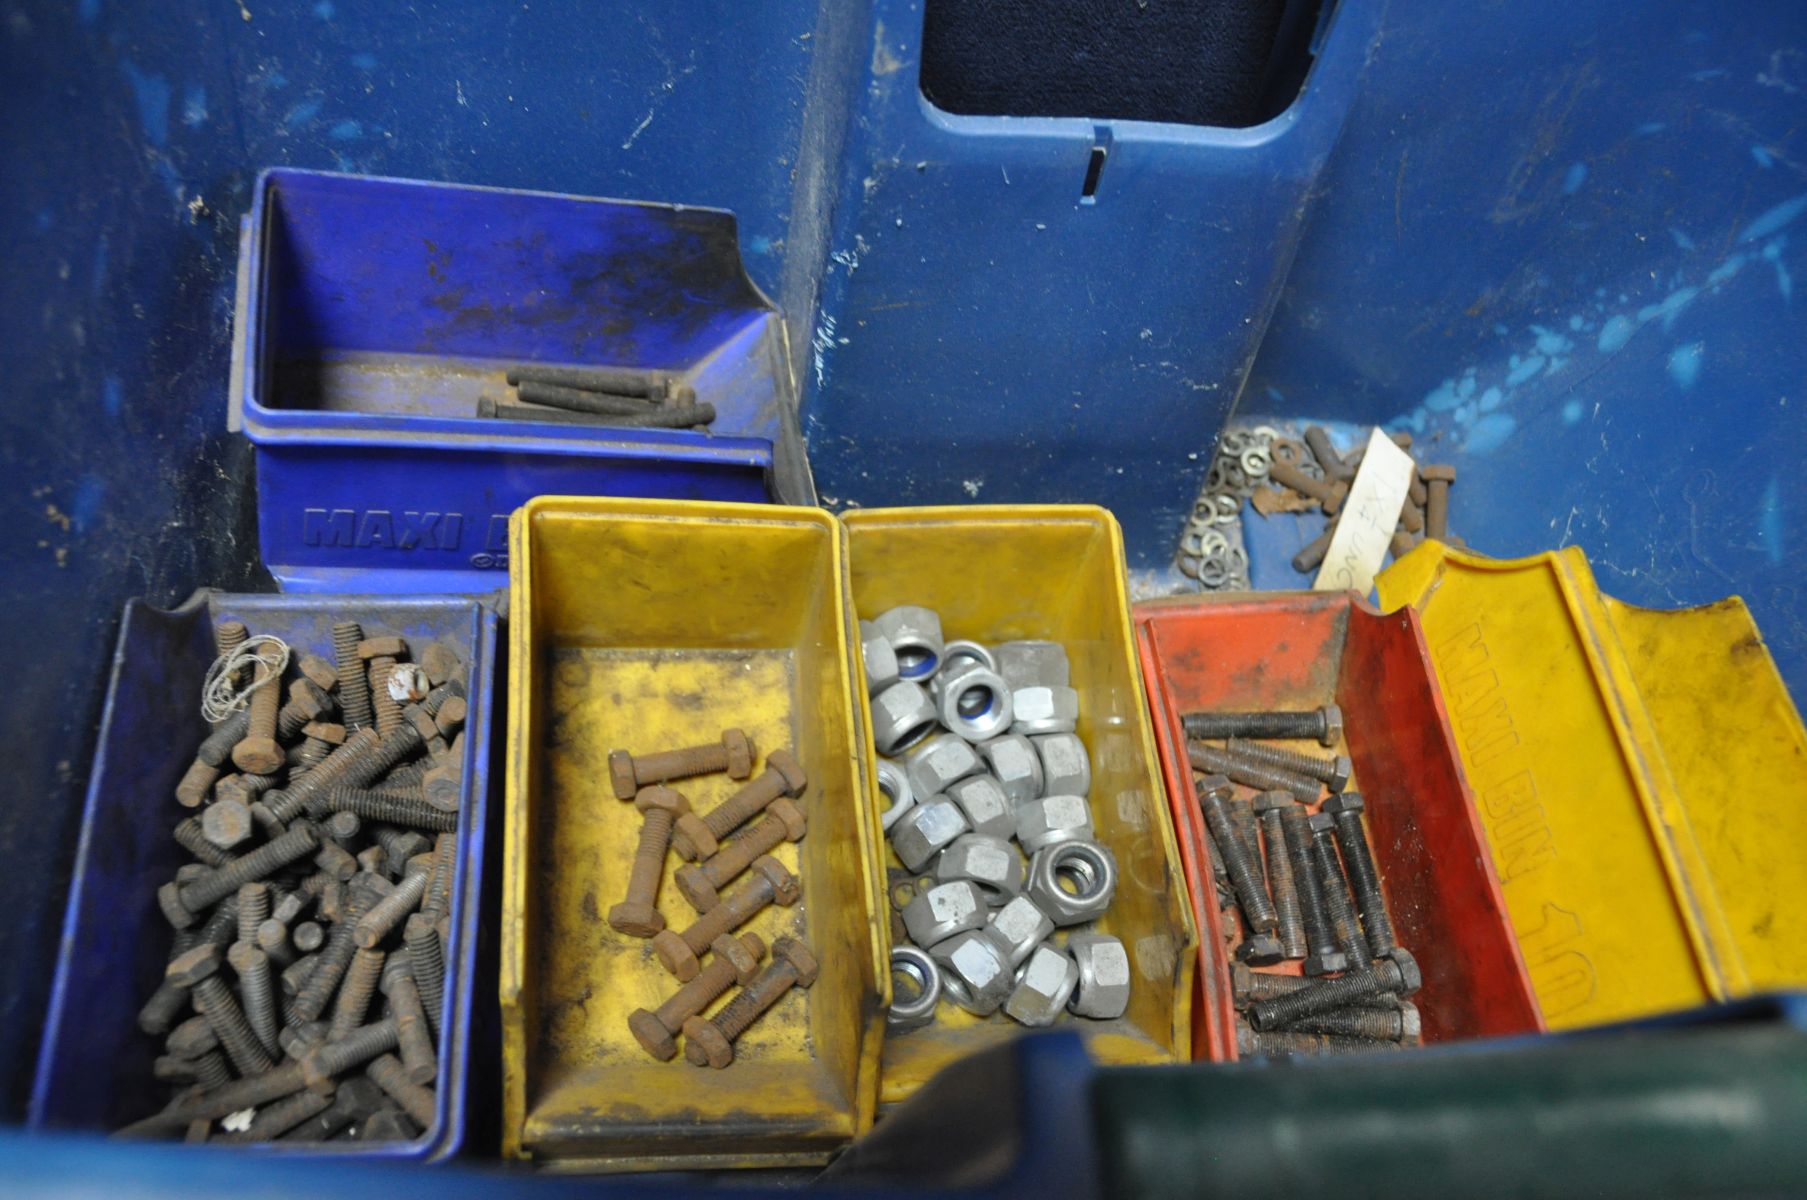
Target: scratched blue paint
[(1684, 364), (1709, 74), (1573, 178), (1489, 433), (1443, 397), (151, 93), (1764, 158), (1615, 333), (1726, 270), (304, 112), (1682, 240), (1669, 308), (1524, 370), (346, 131), (1491, 399), (1650, 127), (1771, 525), (194, 105), (324, 10), (1774, 219), (1571, 412), (1549, 342), (1577, 322)]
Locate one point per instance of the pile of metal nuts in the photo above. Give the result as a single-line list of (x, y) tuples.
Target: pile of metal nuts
[(728, 883), (980, 766), (325, 846), (1300, 886), (629, 397)]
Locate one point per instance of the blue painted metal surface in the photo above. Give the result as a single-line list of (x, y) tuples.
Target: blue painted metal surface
[(94, 1066), (986, 332), (374, 313), (1563, 250)]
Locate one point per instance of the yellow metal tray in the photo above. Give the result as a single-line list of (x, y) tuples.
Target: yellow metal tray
[(1641, 776), (1056, 572), (649, 625)]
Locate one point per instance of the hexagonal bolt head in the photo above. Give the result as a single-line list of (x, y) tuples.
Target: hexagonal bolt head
[(1038, 710), (192, 966), (1261, 950), (940, 912), (1016, 765), (1333, 725), (926, 830), (975, 971), (1021, 927), (1103, 990), (1033, 664), (653, 1037), (1343, 802), (1073, 882), (988, 810), (1044, 984), (382, 647), (915, 636), (169, 899), (988, 861), (1412, 978), (1052, 820), (939, 762), (880, 660), (226, 823), (1066, 767), (1266, 802)]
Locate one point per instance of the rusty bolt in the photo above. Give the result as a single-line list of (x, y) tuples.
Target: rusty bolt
[(383, 706), (389, 912), (700, 883), (1437, 479), (1399, 975), (355, 991), (1270, 807), (226, 823), (1327, 493), (700, 837), (387, 1072), (1332, 772), (412, 1037), (258, 752), (440, 662), (213, 1000), (354, 688), (1216, 761), (190, 967), (734, 754), (195, 783), (359, 1046), (426, 962), (1332, 462), (1339, 907), (736, 961), (1245, 870), (637, 914), (193, 838), (769, 883), (1358, 860), (711, 1043), (307, 703), (1324, 724), (323, 674)]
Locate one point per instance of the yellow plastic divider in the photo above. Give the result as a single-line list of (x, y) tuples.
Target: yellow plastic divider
[(996, 573), (1641, 776)]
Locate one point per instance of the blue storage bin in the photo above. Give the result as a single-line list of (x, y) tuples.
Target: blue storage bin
[(372, 314), (94, 1065)]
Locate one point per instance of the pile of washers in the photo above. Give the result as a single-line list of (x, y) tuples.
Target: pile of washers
[(1212, 550), (978, 757)]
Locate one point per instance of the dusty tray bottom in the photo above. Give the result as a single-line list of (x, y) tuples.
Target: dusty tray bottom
[(592, 1087)]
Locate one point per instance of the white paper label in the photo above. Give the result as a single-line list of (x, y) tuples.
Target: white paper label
[(1370, 514)]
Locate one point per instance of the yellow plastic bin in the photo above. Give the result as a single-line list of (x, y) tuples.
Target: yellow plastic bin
[(1057, 572), (1641, 777), (648, 625)]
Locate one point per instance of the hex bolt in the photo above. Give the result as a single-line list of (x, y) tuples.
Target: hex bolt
[(389, 912), (1332, 772), (363, 758), (253, 909), (736, 961), (1311, 555), (1364, 878), (697, 838), (1215, 761), (411, 1033), (354, 688), (335, 860), (1399, 975), (638, 915), (1245, 874), (306, 703), (666, 418), (387, 1072), (274, 1120), (311, 1000), (700, 883), (445, 866), (259, 752), (1437, 479), (287, 804), (384, 710), (1322, 490), (711, 1043), (214, 1103), (1323, 953), (192, 788), (733, 754), (213, 1000), (1411, 517), (1310, 1045), (1332, 462), (621, 381), (1397, 1024), (355, 991), (769, 883), (190, 836), (427, 964), (1339, 906), (356, 1048), (1247, 986), (217, 746), (229, 636), (257, 994), (578, 400), (265, 860), (413, 812), (1269, 806), (1325, 725)]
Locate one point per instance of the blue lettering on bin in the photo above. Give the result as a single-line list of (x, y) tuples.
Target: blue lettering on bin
[(322, 528), (378, 528)]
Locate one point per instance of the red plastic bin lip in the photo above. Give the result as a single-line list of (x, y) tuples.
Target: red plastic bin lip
[(1389, 655)]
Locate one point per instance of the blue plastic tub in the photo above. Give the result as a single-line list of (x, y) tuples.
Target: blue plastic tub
[(94, 1066), (372, 314)]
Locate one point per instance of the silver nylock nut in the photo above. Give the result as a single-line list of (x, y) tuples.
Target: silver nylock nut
[(1033, 664), (957, 654), (938, 762), (1053, 819), (1014, 764), (1072, 882), (894, 786), (1103, 963), (1043, 986), (1021, 927), (988, 810), (913, 1003), (1036, 710), (920, 834), (938, 913), (915, 636), (902, 715), (975, 972), (1066, 767), (973, 702), (880, 659), (990, 863)]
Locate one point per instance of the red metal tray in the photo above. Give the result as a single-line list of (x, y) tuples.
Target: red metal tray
[(1299, 650)]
